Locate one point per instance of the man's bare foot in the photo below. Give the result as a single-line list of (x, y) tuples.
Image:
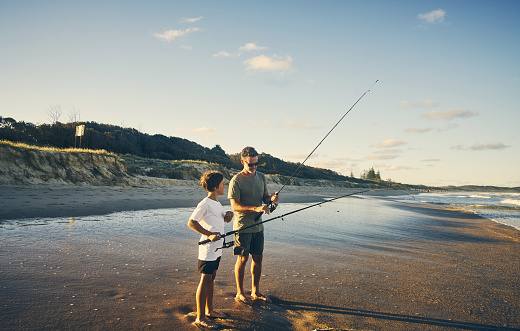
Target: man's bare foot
[(204, 324), (242, 298), (215, 314), (261, 297)]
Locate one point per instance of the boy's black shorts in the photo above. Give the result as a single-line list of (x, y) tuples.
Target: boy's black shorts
[(249, 243), (208, 267)]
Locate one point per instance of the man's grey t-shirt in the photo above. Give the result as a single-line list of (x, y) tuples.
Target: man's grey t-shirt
[(250, 192)]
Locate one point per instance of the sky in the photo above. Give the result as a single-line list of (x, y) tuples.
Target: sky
[(278, 75)]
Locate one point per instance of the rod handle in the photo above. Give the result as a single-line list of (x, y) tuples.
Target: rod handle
[(204, 241)]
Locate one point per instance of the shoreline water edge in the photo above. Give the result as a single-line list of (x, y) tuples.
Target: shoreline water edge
[(74, 257)]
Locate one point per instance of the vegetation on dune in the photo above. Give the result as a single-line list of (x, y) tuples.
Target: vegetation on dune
[(55, 149), (166, 157), (129, 141)]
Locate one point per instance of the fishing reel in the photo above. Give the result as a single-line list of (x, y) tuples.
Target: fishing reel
[(272, 206), (225, 244)]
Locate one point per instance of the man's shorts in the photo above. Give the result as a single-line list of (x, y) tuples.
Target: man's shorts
[(208, 267), (249, 243)]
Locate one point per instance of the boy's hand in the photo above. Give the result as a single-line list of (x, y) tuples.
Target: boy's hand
[(214, 236), (229, 216)]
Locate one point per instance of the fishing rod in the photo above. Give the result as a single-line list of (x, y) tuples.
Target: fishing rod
[(315, 148), (229, 244)]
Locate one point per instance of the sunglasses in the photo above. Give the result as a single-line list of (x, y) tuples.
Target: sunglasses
[(252, 164)]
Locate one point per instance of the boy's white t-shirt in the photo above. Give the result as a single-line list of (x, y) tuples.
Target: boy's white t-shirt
[(210, 215)]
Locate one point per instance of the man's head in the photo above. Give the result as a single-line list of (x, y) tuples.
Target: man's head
[(249, 158)]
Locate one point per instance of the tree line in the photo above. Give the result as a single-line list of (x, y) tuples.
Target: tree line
[(121, 140)]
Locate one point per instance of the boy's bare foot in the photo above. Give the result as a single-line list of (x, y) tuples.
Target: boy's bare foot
[(215, 314), (261, 297), (243, 299), (203, 324)]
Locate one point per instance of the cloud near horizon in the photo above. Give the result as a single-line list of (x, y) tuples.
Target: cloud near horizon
[(298, 124), (381, 156), (497, 145), (257, 123), (417, 130), (388, 143), (171, 35), (449, 114), (275, 63), (396, 167), (204, 130), (424, 103), (435, 16)]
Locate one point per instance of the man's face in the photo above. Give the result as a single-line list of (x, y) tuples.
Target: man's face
[(250, 163)]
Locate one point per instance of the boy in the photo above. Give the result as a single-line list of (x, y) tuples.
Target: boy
[(208, 220)]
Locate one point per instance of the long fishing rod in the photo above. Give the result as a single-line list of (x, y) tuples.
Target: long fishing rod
[(277, 217), (315, 148)]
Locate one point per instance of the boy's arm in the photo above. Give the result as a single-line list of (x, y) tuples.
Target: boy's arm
[(195, 226)]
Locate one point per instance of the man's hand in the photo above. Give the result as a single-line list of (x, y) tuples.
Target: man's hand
[(275, 197)]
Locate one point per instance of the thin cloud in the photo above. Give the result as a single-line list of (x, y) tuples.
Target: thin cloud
[(458, 148), (417, 130), (191, 20), (248, 47), (424, 103), (257, 123), (204, 130), (431, 160), (396, 167), (482, 147), (171, 35), (435, 16), (488, 146), (382, 156), (449, 114), (388, 143), (186, 47), (388, 151), (222, 54), (298, 124), (275, 63)]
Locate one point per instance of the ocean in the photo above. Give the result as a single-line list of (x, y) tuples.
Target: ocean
[(503, 208)]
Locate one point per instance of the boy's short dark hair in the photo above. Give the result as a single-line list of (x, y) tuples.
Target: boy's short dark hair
[(249, 151), (210, 180)]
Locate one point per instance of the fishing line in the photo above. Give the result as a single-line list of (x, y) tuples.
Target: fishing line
[(315, 148)]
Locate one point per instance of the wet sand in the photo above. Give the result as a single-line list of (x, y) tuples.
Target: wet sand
[(453, 271), (28, 201)]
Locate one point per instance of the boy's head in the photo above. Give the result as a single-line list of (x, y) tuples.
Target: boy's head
[(211, 180)]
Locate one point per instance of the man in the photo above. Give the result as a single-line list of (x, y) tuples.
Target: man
[(247, 193)]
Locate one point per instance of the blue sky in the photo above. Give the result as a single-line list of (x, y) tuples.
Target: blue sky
[(277, 75)]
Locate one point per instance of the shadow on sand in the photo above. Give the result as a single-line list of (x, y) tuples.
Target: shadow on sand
[(417, 320)]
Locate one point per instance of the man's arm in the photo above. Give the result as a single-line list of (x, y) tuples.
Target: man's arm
[(240, 208)]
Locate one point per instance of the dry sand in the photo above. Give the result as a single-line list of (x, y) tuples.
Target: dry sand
[(466, 277)]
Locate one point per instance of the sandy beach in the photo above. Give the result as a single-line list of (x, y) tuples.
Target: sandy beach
[(413, 268)]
